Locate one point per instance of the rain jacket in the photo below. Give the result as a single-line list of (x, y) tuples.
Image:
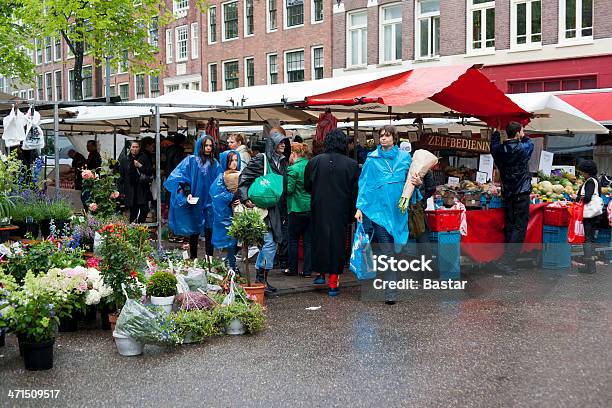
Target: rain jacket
[(186, 219), (255, 168), (298, 200), (380, 188), (222, 199), (512, 160)]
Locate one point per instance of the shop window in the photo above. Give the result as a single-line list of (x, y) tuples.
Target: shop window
[(551, 85), (481, 25), (428, 28), (391, 33)]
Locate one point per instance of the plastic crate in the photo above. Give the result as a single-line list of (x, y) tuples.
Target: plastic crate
[(448, 253), (557, 216), (556, 252), (483, 201), (602, 236), (443, 220), (496, 202)]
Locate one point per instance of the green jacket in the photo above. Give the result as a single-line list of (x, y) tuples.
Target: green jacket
[(298, 200)]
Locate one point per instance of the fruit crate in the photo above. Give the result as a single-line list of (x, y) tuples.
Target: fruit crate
[(448, 253), (556, 252), (556, 216), (443, 220), (496, 202)]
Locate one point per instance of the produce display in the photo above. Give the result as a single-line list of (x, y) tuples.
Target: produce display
[(558, 188)]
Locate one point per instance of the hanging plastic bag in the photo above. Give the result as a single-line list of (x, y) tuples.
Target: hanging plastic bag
[(361, 263), (34, 134), (575, 230), (231, 296)]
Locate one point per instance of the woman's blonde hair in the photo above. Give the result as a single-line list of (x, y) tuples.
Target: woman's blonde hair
[(300, 149)]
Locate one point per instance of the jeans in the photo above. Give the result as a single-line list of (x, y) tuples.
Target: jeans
[(386, 247), (231, 256), (517, 219), (265, 259), (299, 224)]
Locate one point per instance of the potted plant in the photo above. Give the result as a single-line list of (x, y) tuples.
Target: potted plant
[(99, 190), (161, 287), (7, 286), (249, 229), (57, 212), (195, 326), (241, 317)]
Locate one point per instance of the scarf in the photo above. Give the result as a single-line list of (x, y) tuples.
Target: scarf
[(230, 178)]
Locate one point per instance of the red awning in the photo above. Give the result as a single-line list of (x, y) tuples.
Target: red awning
[(462, 89), (597, 105)]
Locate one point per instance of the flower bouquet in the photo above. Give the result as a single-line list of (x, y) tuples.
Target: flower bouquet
[(422, 162)]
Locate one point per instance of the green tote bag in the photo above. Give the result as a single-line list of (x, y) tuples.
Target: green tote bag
[(266, 190)]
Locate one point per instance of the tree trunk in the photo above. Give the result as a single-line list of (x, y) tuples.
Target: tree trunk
[(77, 88)]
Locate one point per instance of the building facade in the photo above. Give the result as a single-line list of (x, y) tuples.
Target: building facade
[(525, 45)]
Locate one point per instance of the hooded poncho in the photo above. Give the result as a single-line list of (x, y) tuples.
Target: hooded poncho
[(184, 218), (380, 189), (221, 198)]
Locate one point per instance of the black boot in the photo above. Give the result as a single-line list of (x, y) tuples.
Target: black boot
[(589, 267), (260, 276), (269, 288)]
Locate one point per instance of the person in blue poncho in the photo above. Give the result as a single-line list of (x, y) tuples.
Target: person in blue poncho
[(380, 188), (223, 197), (191, 181)]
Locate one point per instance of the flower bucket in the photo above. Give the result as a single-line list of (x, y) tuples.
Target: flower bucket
[(68, 324), (38, 356), (127, 346), (235, 327), (165, 303), (2, 338), (256, 291), (112, 318)]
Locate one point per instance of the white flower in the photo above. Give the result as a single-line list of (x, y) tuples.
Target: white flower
[(92, 297)]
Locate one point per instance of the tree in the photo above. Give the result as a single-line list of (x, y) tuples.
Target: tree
[(14, 61), (99, 28)]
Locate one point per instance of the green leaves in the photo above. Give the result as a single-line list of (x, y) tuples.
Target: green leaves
[(248, 227)]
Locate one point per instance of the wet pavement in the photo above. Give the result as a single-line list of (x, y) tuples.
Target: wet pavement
[(542, 339)]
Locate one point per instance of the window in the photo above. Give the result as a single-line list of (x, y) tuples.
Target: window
[(294, 66), (357, 37), (317, 63), (112, 90), (230, 20), (169, 50), (576, 19), (124, 91), (182, 36), (526, 23), (49, 85), (271, 17), (48, 49), (58, 86), (212, 78), (30, 94), (181, 7), (230, 75), (195, 86), (140, 86), (39, 52), (317, 11), (87, 75), (249, 71), (71, 85), (553, 84), (195, 40), (58, 49), (172, 88), (212, 25), (294, 13), (124, 65), (272, 69), (154, 32), (249, 25), (481, 25), (428, 28), (39, 88), (391, 33), (154, 86)]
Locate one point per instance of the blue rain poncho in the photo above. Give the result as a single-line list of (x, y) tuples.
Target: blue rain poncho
[(222, 199), (380, 189), (186, 219)]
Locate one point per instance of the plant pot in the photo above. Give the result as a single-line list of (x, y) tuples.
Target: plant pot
[(165, 303), (127, 346), (104, 319), (2, 338), (38, 356), (45, 228), (90, 314), (24, 228), (256, 290), (20, 340), (112, 318), (235, 327), (69, 324)]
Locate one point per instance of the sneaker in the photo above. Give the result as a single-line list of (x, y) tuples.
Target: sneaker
[(333, 292), (319, 280), (288, 272)]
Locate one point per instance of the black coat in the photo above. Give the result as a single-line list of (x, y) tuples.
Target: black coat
[(135, 184), (332, 180), (255, 169), (512, 160)]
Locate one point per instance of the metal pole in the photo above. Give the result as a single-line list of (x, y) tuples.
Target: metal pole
[(108, 74), (114, 143), (158, 177), (56, 143)]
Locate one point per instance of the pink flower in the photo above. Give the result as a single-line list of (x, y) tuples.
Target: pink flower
[(93, 206), (83, 286), (115, 195), (69, 273), (87, 174), (93, 262)]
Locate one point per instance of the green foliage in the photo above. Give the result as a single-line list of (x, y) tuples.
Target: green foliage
[(162, 284), (101, 190), (250, 314), (7, 207), (248, 228), (14, 61), (198, 325), (59, 210)]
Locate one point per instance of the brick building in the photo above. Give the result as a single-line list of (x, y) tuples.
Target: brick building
[(526, 45)]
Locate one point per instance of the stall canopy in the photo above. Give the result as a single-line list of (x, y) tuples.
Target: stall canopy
[(597, 104), (432, 92), (559, 116)]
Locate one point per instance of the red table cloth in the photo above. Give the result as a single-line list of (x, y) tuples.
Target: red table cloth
[(485, 233)]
